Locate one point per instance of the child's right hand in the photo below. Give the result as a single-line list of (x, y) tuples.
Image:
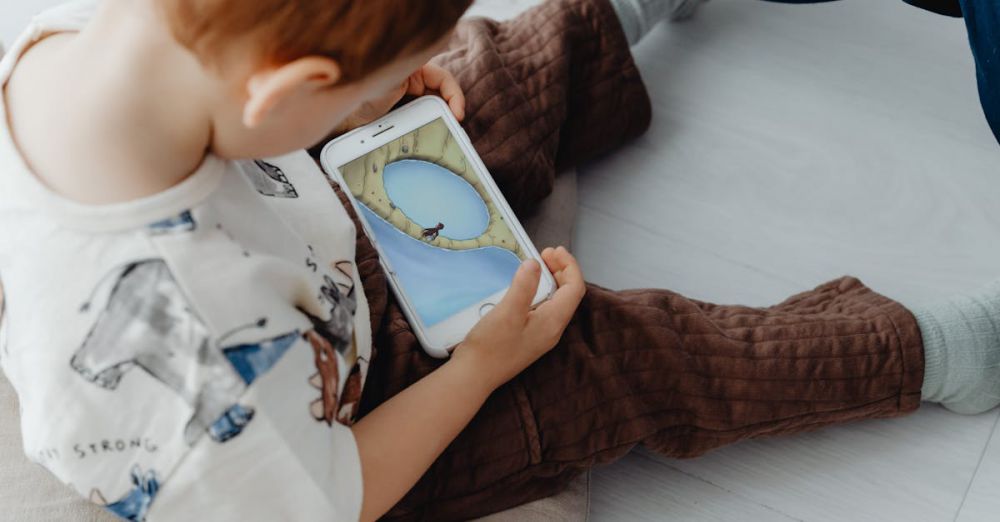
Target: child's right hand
[(506, 341), (512, 336)]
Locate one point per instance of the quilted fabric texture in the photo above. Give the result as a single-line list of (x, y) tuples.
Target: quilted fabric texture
[(550, 89)]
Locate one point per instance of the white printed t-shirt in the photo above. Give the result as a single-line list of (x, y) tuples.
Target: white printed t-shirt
[(193, 355)]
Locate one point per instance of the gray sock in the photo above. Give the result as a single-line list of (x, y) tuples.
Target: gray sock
[(962, 351), (638, 17)]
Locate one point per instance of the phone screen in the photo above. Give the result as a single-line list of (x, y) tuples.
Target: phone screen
[(448, 244)]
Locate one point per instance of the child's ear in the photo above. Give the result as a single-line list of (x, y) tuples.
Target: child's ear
[(268, 88)]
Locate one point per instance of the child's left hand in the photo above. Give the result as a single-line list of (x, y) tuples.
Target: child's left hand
[(429, 79)]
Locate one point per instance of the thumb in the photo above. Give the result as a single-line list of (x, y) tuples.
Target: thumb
[(522, 290)]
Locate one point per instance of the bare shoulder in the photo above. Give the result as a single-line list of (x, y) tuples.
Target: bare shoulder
[(57, 131), (31, 97)]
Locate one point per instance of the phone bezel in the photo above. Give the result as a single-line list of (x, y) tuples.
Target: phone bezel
[(440, 339)]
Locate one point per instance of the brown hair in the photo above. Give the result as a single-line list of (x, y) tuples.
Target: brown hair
[(362, 35)]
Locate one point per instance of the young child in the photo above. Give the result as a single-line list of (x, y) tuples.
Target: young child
[(192, 333)]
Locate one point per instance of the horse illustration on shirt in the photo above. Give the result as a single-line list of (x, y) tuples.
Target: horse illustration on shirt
[(148, 325), (330, 338)]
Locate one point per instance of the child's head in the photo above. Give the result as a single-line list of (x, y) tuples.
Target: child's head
[(290, 71)]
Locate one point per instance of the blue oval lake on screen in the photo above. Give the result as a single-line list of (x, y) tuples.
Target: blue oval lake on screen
[(430, 194)]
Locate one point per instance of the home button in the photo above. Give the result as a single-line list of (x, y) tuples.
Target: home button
[(485, 309)]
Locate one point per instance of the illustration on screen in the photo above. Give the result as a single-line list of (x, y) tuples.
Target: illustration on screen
[(443, 235)]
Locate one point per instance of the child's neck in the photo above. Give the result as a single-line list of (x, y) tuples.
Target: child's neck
[(116, 112)]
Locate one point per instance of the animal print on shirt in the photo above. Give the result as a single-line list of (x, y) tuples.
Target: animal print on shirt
[(268, 179), (135, 504), (147, 324), (326, 341), (184, 222)]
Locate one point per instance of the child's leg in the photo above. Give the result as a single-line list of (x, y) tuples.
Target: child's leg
[(555, 88), (550, 89), (638, 17), (682, 377)]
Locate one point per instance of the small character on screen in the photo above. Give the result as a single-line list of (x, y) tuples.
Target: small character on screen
[(430, 234)]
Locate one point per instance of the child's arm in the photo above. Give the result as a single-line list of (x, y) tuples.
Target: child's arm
[(400, 439)]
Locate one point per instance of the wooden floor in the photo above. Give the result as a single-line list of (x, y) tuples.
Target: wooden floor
[(791, 145)]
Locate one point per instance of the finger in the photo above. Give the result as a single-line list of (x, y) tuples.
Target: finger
[(440, 80), (415, 84), (456, 102), (559, 310), (549, 257), (564, 267), (522, 290)]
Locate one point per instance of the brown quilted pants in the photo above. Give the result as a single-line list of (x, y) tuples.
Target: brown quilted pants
[(552, 88)]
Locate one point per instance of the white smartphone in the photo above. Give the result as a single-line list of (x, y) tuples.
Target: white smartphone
[(446, 236)]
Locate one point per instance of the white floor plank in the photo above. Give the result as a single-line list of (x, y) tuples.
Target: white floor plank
[(982, 502), (913, 469), (779, 147), (791, 145), (639, 489)]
